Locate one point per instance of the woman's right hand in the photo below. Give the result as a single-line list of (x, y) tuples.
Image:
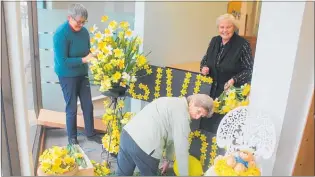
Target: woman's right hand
[(205, 70), (87, 58)]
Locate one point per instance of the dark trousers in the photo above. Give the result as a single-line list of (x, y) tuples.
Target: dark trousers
[(130, 155), (72, 88)]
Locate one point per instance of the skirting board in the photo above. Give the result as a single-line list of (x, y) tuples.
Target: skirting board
[(56, 119)]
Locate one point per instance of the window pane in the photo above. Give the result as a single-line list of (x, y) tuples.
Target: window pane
[(28, 71)]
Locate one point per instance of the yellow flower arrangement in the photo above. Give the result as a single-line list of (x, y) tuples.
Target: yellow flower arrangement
[(118, 58), (183, 92), (115, 119), (221, 168), (59, 160), (231, 99), (101, 169), (169, 78), (199, 79)]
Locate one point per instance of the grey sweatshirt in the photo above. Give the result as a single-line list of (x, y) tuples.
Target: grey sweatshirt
[(163, 122)]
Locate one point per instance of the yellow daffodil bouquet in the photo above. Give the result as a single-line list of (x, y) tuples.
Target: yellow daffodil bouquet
[(117, 57), (231, 99), (101, 169), (58, 161), (114, 119)]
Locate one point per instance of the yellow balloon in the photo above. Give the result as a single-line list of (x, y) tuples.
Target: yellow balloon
[(195, 167)]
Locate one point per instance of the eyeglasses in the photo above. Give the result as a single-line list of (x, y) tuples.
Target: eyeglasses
[(79, 22)]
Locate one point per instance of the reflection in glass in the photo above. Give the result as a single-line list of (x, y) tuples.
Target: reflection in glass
[(28, 71)]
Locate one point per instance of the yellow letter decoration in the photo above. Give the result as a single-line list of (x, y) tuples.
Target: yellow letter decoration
[(144, 87), (169, 78), (199, 79), (183, 92), (204, 144), (157, 87)]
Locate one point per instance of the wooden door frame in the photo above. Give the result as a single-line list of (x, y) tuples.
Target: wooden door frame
[(304, 164)]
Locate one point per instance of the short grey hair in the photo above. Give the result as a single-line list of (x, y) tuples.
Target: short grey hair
[(228, 17), (202, 100), (77, 10)]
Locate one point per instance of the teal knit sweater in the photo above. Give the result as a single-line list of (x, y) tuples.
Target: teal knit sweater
[(69, 49)]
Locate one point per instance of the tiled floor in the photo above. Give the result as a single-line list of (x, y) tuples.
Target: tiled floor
[(58, 137)]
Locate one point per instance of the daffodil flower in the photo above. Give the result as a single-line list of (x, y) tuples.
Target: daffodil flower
[(112, 25), (93, 29), (108, 32), (104, 18), (128, 34), (99, 36)]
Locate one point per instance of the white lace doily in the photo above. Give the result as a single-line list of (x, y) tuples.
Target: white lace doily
[(239, 130)]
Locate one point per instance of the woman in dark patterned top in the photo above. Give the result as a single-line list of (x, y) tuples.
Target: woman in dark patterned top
[(228, 61)]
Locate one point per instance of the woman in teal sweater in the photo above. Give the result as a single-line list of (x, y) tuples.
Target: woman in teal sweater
[(71, 54)]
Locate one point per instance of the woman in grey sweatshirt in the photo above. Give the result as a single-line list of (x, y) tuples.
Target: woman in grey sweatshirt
[(165, 122)]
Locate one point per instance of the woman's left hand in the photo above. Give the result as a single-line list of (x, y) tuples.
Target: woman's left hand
[(228, 84), (165, 166)]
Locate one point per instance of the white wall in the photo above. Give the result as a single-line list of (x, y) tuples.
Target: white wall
[(94, 5), (283, 77), (299, 100), (179, 32)]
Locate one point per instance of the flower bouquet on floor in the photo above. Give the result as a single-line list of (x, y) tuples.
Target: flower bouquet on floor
[(60, 161), (101, 169), (231, 99)]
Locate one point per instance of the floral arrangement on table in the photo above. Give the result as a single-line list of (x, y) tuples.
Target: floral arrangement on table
[(118, 58), (58, 161), (240, 163), (231, 99)]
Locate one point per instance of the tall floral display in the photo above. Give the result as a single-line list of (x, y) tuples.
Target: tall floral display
[(115, 67)]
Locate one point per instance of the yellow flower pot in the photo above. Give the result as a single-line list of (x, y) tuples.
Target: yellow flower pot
[(69, 173), (195, 167)]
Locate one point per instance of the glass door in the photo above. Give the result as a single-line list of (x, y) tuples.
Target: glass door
[(52, 14)]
